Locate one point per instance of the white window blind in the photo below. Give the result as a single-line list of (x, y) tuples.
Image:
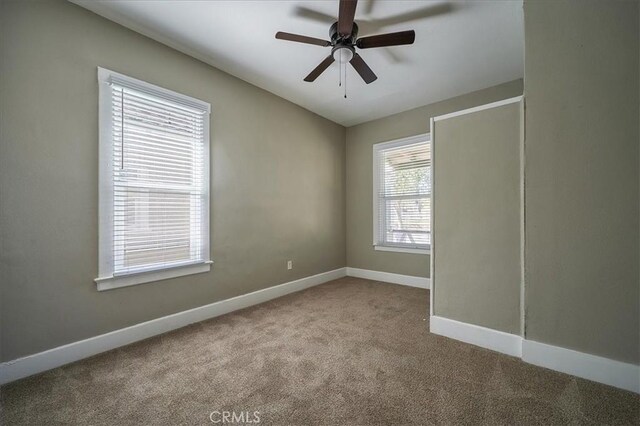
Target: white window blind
[(155, 182), (403, 196)]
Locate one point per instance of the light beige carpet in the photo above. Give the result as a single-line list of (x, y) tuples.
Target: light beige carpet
[(349, 352)]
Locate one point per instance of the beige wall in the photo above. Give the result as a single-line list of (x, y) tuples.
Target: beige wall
[(477, 276), (582, 181), (360, 141), (277, 182), (581, 176)]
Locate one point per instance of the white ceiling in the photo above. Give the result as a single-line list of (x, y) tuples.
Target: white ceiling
[(460, 46)]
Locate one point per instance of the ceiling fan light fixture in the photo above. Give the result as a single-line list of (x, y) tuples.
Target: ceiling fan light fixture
[(342, 54)]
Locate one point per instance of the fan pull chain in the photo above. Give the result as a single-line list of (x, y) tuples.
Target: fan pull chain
[(345, 80)]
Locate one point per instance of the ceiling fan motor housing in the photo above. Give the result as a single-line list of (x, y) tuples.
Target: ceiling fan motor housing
[(337, 39)]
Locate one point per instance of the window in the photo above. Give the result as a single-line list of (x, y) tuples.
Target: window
[(154, 183), (402, 195)]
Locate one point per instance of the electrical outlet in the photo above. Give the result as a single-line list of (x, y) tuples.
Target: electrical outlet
[(289, 264)]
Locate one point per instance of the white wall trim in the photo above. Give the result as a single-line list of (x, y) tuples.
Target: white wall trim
[(401, 249), (488, 338), (432, 246), (389, 277), (52, 358), (598, 369), (523, 233), (478, 108), (109, 283), (590, 367)]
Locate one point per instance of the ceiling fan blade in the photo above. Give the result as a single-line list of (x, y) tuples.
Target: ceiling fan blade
[(302, 39), (305, 12), (390, 39), (346, 15), (363, 69), (320, 69)]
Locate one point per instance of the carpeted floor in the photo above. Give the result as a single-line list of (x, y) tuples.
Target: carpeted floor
[(352, 352)]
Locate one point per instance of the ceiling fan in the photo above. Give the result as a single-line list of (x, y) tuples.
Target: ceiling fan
[(344, 41)]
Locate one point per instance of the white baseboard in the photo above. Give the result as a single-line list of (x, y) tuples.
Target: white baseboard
[(389, 277), (495, 340), (52, 358), (602, 370), (599, 369), (591, 367)]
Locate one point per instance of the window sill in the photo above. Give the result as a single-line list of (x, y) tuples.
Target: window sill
[(402, 249), (109, 283)]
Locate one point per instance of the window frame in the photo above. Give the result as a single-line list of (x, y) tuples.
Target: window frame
[(377, 149), (106, 279)]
